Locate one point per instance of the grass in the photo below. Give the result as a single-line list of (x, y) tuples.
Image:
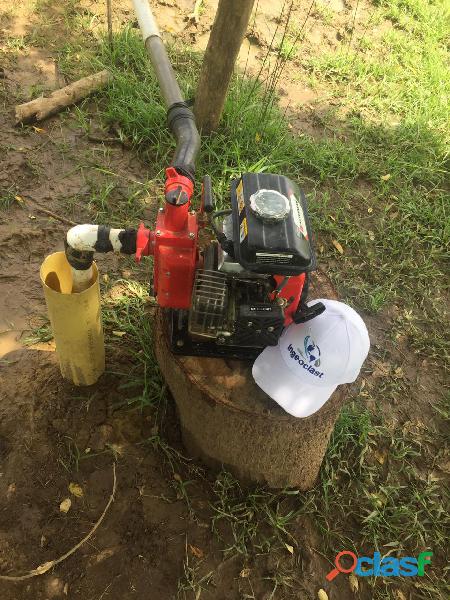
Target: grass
[(377, 478), (128, 324), (192, 583), (251, 522), (8, 197), (377, 184), (401, 213)]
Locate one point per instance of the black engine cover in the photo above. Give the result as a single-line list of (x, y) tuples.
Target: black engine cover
[(258, 325), (271, 229)]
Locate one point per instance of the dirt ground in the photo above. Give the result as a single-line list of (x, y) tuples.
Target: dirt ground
[(53, 434)]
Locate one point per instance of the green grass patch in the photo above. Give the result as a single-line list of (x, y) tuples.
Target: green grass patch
[(396, 235), (128, 324)]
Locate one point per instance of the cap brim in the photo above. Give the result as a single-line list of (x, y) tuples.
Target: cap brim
[(277, 381)]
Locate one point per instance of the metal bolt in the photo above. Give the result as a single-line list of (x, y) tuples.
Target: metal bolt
[(220, 339), (270, 329), (192, 212), (249, 324), (192, 236), (158, 232), (167, 273), (161, 210), (180, 343)]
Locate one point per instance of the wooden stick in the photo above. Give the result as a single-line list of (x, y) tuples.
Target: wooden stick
[(48, 565), (109, 19), (41, 209), (41, 108)]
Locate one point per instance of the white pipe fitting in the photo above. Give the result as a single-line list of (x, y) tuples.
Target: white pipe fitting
[(84, 237)]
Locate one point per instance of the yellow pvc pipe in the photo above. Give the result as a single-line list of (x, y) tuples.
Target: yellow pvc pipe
[(76, 321)]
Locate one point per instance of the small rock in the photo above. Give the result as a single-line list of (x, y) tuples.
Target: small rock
[(54, 587)]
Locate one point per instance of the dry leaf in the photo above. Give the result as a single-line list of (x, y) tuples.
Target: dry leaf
[(66, 589), (371, 235), (338, 246), (385, 177), (322, 595), (353, 581), (177, 477), (380, 456), (289, 548), (43, 541), (370, 210), (75, 489), (65, 505), (257, 137), (398, 373), (119, 333), (245, 572), (18, 199), (197, 552), (399, 595), (38, 129)]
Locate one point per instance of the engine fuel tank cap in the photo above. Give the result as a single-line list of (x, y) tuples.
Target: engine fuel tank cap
[(269, 205)]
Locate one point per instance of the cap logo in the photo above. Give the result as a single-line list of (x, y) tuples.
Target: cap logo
[(305, 363), (312, 351)]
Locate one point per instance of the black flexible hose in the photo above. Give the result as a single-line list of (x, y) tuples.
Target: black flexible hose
[(180, 117)]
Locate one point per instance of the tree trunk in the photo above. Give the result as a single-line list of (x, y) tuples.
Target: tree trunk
[(223, 47), (226, 419)]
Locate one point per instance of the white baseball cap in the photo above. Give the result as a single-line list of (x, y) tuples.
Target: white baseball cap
[(313, 358)]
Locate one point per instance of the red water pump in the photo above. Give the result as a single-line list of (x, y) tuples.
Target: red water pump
[(233, 292)]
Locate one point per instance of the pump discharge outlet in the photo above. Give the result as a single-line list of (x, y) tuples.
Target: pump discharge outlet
[(75, 318)]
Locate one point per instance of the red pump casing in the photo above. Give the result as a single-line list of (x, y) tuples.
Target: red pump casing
[(173, 245)]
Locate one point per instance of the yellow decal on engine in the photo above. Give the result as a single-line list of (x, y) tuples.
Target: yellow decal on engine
[(240, 196), (243, 230)]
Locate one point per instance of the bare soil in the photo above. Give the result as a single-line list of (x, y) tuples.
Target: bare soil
[(53, 434)]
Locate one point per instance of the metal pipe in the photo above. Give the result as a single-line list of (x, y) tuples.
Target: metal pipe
[(146, 20), (154, 45), (170, 90), (180, 117)]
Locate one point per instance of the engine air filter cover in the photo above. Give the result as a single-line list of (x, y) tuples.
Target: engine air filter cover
[(271, 229)]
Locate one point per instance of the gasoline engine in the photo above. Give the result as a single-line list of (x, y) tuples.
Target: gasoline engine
[(228, 281)]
